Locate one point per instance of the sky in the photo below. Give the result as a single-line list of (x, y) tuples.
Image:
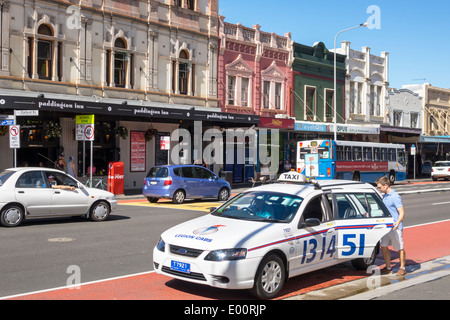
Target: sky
[(415, 33)]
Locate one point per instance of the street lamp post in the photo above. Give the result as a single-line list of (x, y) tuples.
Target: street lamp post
[(335, 76)]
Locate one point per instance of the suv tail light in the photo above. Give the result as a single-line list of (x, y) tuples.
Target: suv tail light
[(168, 181)]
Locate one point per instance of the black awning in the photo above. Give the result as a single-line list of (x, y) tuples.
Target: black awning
[(136, 112)]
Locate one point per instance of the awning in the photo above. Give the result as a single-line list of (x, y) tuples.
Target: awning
[(144, 111), (434, 139)]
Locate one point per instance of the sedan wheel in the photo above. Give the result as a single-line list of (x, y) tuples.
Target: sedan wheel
[(100, 211), (11, 216), (270, 278)]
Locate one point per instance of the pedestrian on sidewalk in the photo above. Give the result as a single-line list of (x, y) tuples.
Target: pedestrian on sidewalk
[(394, 203)]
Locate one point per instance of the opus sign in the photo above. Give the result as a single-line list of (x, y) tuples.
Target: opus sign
[(122, 110)]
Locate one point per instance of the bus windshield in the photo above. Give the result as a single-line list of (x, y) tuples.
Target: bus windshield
[(314, 148)]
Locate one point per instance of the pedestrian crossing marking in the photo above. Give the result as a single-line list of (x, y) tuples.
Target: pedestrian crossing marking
[(188, 205)]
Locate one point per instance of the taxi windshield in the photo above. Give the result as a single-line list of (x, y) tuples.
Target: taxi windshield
[(261, 206)]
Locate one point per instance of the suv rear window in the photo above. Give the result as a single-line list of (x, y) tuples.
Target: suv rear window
[(158, 172)]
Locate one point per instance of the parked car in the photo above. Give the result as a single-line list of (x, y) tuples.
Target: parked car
[(42, 192), (440, 170), (179, 182)]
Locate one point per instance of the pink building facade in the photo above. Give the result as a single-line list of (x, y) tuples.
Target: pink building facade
[(255, 71)]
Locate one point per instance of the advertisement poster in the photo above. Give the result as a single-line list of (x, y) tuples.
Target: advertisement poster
[(137, 151), (312, 165)]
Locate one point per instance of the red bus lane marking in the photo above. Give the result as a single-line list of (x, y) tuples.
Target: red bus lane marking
[(422, 243)]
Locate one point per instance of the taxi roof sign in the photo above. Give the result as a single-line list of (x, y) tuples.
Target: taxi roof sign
[(292, 176)]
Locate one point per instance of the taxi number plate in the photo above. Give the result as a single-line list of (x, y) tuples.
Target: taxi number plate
[(153, 182), (180, 266)]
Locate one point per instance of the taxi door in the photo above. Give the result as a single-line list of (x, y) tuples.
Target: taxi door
[(361, 221), (315, 243)]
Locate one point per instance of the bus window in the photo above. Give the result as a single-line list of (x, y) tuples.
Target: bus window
[(367, 154), (357, 154), (384, 155), (392, 155), (340, 153), (376, 154), (401, 157), (348, 153)]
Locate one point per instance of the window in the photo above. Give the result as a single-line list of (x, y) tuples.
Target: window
[(244, 92), (31, 179), (414, 122), (384, 154), (316, 208), (183, 74), (376, 154), (231, 89), (310, 104), (119, 65), (392, 155), (367, 154), (44, 55), (191, 4), (266, 94), (329, 103), (359, 206), (397, 118), (278, 87), (357, 153)]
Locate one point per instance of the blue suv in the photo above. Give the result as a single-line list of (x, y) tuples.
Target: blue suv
[(178, 182)]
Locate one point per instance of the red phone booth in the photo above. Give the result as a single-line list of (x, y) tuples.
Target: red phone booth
[(115, 177)]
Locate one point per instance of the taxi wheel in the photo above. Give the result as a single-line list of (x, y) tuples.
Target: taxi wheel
[(11, 216), (364, 263), (178, 197), (224, 194), (100, 211), (270, 277)]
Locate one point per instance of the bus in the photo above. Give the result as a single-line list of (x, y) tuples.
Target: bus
[(351, 160)]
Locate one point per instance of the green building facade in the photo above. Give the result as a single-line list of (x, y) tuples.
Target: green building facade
[(313, 72)]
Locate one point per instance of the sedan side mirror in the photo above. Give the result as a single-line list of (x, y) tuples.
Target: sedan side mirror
[(311, 222)]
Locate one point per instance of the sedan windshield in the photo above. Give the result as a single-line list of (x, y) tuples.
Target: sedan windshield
[(4, 176), (442, 164), (261, 206)]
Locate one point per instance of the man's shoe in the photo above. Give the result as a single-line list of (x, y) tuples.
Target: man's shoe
[(401, 272), (385, 270)]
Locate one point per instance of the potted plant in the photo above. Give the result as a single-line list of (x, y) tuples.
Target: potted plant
[(121, 132), (150, 133)]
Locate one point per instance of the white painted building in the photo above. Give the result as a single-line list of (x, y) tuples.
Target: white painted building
[(366, 85)]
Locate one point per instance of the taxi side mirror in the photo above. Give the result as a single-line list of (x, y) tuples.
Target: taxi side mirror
[(311, 222)]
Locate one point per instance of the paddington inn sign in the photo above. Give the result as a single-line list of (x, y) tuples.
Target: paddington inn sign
[(122, 110)]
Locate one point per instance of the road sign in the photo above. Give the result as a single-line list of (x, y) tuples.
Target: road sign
[(89, 132), (26, 113), (14, 137), (7, 120), (413, 150)]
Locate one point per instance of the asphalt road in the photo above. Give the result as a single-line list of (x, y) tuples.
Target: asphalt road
[(41, 254)]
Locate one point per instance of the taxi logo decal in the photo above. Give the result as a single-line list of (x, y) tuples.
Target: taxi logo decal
[(208, 230)]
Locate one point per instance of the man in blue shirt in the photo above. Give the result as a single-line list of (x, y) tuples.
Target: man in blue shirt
[(393, 202)]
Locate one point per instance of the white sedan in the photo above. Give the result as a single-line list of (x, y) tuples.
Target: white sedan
[(440, 170), (266, 235), (42, 192)]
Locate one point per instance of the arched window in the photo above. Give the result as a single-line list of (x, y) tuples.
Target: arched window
[(183, 74), (45, 53), (120, 65)]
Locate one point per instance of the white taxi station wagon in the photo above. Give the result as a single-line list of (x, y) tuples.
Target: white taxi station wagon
[(268, 234)]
